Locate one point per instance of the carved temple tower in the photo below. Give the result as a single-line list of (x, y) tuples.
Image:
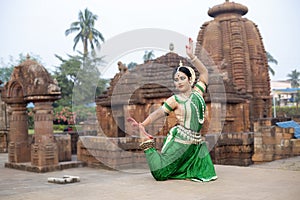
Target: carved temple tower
[(235, 45)]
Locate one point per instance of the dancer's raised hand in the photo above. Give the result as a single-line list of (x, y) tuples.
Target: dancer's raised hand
[(190, 49)]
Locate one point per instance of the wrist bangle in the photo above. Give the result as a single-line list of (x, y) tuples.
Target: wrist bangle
[(194, 59)]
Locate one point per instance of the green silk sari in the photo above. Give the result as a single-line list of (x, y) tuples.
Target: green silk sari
[(184, 155)]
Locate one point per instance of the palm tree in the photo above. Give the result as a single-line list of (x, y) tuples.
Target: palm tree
[(271, 59), (87, 32), (294, 77), (149, 55), (131, 65)]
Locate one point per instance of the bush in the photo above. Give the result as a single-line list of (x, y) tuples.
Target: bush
[(287, 111), (64, 116), (71, 116), (59, 127)]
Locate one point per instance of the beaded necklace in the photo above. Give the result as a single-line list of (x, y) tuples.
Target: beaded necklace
[(196, 108), (201, 121)]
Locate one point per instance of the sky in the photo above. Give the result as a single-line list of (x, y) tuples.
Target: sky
[(38, 26)]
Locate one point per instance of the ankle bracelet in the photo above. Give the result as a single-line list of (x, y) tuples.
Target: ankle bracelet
[(147, 144)]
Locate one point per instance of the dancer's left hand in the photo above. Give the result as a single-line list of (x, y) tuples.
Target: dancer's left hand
[(139, 128)]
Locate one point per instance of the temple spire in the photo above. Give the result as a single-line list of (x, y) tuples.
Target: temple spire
[(226, 8)]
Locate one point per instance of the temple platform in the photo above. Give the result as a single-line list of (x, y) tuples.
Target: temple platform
[(74, 163)]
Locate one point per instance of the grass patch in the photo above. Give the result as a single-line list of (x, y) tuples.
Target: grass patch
[(59, 129)]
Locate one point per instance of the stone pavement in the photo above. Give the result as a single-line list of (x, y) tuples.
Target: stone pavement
[(275, 180)]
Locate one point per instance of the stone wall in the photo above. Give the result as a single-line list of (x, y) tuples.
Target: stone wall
[(3, 142), (233, 118), (64, 147), (113, 123), (267, 143), (231, 148), (272, 142), (113, 153), (63, 142), (124, 152)]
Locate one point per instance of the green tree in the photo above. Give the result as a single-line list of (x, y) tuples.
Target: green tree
[(86, 31), (149, 55), (80, 82), (271, 59), (294, 77), (66, 76), (88, 84), (7, 68), (5, 74)]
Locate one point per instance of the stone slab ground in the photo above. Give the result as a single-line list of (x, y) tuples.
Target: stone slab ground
[(275, 180)]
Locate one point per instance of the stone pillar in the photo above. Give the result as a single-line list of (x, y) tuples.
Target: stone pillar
[(3, 126), (44, 151), (18, 147)]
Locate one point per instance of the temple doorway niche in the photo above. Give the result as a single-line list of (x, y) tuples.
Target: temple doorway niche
[(121, 126)]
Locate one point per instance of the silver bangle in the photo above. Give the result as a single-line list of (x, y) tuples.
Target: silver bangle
[(194, 59)]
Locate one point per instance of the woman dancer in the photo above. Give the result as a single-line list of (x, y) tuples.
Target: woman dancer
[(184, 155)]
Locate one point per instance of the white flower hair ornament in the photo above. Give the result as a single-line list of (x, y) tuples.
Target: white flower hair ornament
[(193, 77)]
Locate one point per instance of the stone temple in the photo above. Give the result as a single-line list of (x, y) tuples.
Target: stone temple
[(238, 67), (239, 127)]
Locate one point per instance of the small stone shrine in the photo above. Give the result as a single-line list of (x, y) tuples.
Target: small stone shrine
[(30, 82)]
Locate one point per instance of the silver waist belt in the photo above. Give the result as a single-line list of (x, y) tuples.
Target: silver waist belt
[(188, 136)]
